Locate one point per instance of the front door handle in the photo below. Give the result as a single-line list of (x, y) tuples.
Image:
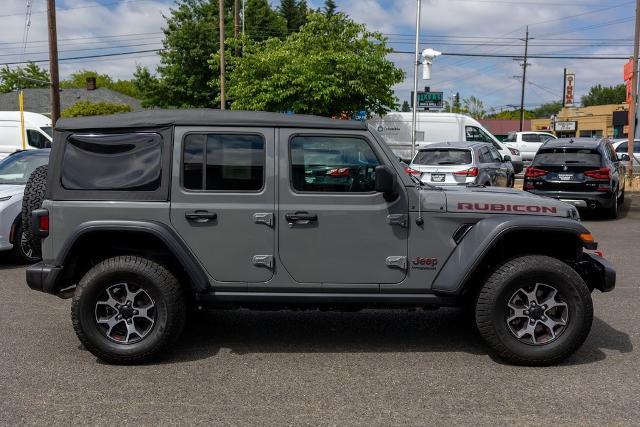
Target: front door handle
[(200, 216), (300, 217)]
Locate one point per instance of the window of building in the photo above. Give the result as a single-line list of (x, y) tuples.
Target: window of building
[(332, 164), (223, 162)]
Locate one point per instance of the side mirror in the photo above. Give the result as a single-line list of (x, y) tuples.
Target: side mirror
[(386, 180), (506, 159), (625, 157)]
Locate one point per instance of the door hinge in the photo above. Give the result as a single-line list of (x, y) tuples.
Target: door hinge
[(398, 219), (397, 262), (263, 218), (262, 261)]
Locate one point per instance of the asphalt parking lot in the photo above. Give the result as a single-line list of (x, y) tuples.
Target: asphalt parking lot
[(372, 367)]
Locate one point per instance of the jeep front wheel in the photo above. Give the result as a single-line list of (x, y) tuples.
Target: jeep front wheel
[(128, 309), (534, 310)]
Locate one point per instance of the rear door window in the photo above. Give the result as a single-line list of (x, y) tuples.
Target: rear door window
[(530, 137), (443, 157), (568, 156), (125, 161), (37, 140)]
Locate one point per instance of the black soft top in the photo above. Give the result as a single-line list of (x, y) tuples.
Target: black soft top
[(574, 143), (205, 117)]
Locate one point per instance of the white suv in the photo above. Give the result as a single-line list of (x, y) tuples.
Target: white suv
[(527, 143)]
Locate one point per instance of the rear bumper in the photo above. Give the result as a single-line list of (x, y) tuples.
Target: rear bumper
[(43, 278), (592, 199), (598, 272), (5, 244)]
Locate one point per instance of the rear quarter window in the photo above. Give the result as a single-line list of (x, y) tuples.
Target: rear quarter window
[(442, 157), (124, 161)]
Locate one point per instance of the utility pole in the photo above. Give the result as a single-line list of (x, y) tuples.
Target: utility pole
[(633, 108), (415, 82), (236, 24), (524, 78), (53, 61), (222, 63)]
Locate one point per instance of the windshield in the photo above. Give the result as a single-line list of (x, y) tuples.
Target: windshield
[(48, 130), (17, 169), (567, 156), (444, 156)]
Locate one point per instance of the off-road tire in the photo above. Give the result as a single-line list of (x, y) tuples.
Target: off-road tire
[(32, 200), (491, 309), (158, 282), (612, 211), (18, 253)]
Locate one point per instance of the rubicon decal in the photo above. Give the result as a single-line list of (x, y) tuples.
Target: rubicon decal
[(500, 207), (422, 263)]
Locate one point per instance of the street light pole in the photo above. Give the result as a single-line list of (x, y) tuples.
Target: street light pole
[(415, 82), (633, 108), (524, 78), (53, 62)]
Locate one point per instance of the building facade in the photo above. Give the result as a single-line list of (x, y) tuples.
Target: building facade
[(599, 121)]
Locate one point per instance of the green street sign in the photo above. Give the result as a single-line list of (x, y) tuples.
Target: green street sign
[(429, 99)]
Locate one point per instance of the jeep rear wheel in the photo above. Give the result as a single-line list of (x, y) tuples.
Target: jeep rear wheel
[(534, 310), (128, 309)]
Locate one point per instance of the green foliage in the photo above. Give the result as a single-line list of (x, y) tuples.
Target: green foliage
[(601, 95), (474, 107), (330, 7), (86, 108), (16, 78), (332, 67), (295, 13), (79, 80), (547, 110), (405, 107), (511, 115), (263, 22)]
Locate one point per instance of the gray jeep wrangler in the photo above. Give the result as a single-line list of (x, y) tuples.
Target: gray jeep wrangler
[(149, 215)]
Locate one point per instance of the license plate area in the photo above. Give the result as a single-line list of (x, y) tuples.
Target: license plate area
[(437, 177), (566, 176)]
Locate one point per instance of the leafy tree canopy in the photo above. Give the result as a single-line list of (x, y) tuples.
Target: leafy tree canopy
[(294, 12), (332, 67), (29, 76), (79, 80), (86, 108), (405, 107), (330, 7), (601, 95)]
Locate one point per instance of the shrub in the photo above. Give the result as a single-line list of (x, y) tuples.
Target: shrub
[(86, 108)]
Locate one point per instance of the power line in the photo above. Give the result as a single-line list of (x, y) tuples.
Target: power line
[(79, 7)]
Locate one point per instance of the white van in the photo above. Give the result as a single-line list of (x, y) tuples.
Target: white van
[(437, 127), (528, 143), (38, 132)]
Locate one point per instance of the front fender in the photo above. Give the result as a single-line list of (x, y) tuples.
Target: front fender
[(484, 235)]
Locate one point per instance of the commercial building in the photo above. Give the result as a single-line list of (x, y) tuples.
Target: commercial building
[(592, 122)]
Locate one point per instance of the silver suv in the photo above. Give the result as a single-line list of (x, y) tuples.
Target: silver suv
[(463, 163), (147, 215)]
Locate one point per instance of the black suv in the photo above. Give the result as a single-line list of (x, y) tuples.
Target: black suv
[(581, 171)]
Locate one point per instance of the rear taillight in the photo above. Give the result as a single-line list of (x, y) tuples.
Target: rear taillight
[(602, 173), (338, 172), (534, 172), (40, 222), (413, 172), (467, 172)]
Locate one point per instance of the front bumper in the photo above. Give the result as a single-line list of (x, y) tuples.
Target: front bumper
[(597, 272), (591, 199), (43, 278)]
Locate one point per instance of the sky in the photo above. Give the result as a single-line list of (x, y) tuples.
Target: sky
[(557, 27)]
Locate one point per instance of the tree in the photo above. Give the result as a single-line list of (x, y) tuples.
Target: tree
[(405, 107), (295, 13), (29, 76), (79, 80), (474, 107), (184, 78), (600, 95), (86, 108), (263, 22), (330, 7), (547, 110), (332, 67)]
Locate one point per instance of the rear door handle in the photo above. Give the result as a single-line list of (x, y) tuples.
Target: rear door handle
[(200, 216), (300, 218)]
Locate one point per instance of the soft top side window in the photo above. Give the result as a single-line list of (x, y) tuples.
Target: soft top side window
[(122, 161)]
